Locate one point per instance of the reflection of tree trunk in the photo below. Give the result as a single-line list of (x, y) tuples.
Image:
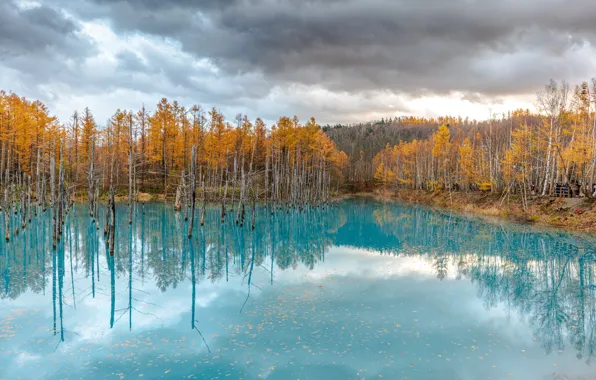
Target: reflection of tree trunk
[(163, 234), (194, 282), (42, 252), (216, 269), (93, 244), (271, 235), (252, 264), (61, 286), (54, 269), (581, 315), (556, 289), (203, 251), (241, 247), (96, 244), (74, 301), (194, 293), (130, 279), (112, 288), (143, 246), (225, 243), (25, 256)]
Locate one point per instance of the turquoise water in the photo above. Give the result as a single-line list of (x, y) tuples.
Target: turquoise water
[(364, 290)]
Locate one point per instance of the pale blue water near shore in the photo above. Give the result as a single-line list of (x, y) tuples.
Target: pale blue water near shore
[(364, 290)]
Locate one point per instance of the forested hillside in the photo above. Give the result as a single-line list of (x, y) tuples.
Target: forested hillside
[(522, 152), (362, 142)]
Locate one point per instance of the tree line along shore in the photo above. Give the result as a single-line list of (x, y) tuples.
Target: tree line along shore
[(192, 154)]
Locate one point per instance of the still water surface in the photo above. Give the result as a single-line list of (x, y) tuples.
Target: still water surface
[(364, 290)]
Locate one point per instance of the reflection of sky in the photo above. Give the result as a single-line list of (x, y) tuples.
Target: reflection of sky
[(356, 314)]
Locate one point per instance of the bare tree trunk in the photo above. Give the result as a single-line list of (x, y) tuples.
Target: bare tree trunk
[(203, 204), (95, 203), (241, 197), (53, 193), (266, 195), (225, 193), (6, 213), (38, 179), (29, 198), (254, 207), (193, 189), (106, 228), (112, 221), (131, 164), (91, 182), (234, 180), (23, 204), (548, 158), (60, 202), (177, 203)]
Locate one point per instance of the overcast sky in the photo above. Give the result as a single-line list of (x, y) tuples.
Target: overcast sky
[(337, 60)]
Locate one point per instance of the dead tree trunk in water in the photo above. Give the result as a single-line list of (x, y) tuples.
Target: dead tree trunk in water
[(112, 221), (23, 203), (106, 228), (193, 189), (60, 201), (91, 183), (38, 178), (266, 195), (29, 198), (53, 193), (225, 193), (95, 203), (41, 198), (43, 193), (203, 204), (234, 181), (6, 213), (254, 207), (130, 169), (241, 198), (177, 202), (187, 187)]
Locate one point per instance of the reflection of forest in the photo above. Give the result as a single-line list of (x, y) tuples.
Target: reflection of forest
[(548, 278), (161, 250)]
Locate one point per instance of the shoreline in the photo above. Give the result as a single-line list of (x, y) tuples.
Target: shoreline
[(569, 214)]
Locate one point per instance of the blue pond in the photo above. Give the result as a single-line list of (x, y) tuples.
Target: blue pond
[(362, 290)]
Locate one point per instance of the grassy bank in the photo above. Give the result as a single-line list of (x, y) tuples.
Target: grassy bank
[(576, 214)]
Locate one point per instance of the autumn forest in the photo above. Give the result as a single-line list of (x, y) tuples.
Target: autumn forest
[(522, 152), (192, 154)]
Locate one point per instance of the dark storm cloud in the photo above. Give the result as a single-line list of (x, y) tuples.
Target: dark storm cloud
[(39, 44), (36, 31), (416, 47), (338, 59)]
